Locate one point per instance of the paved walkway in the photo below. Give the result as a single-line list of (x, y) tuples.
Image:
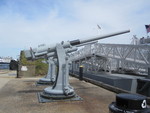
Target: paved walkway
[(19, 95), (5, 76)]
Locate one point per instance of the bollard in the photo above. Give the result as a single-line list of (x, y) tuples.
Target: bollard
[(81, 72), (129, 103)]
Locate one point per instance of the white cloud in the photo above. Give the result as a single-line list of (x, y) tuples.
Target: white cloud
[(79, 19)]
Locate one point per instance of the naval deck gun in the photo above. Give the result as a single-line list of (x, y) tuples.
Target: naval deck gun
[(61, 88)]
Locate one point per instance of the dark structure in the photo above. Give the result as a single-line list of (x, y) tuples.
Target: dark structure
[(13, 65), (129, 103)]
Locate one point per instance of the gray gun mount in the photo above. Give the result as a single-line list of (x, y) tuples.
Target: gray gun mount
[(51, 74), (61, 88)]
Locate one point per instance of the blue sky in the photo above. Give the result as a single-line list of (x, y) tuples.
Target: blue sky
[(29, 23)]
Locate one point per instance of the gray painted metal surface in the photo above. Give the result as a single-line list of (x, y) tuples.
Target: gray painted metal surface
[(124, 56), (51, 75), (61, 85)]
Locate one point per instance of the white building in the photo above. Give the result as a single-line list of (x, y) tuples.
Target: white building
[(5, 59)]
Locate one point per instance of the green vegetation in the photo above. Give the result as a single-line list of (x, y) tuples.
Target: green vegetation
[(40, 67), (24, 61)]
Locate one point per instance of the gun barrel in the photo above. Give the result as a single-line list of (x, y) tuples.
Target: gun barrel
[(76, 42), (86, 43), (43, 50)]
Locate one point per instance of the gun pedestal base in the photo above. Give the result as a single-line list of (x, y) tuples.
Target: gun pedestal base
[(38, 83), (57, 96), (46, 97)]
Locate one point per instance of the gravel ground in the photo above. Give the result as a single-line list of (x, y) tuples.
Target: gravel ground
[(20, 96), (5, 76)]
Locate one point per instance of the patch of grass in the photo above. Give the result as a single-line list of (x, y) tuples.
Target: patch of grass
[(40, 67)]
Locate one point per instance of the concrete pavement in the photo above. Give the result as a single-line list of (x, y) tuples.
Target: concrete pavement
[(19, 95)]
